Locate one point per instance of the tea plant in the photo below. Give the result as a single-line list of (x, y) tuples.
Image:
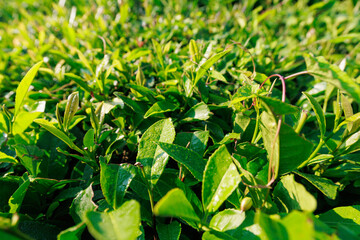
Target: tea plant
[(179, 120)]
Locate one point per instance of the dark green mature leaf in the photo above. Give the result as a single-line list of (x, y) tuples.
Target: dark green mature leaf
[(198, 112), (221, 178), (323, 70), (23, 87), (208, 63), (169, 231), (190, 159), (160, 107), (326, 186), (293, 196), (120, 224), (290, 150), (278, 107), (82, 204), (72, 233), (175, 204), (318, 113), (114, 180), (196, 141), (152, 156), (347, 216)]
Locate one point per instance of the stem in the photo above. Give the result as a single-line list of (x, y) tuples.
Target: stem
[(296, 74), (256, 125), (302, 121), (138, 164), (317, 149), (272, 170)]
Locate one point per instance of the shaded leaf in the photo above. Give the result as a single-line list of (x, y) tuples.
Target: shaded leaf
[(169, 231)]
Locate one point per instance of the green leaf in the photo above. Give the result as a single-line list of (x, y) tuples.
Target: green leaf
[(70, 109), (326, 186), (197, 113), (114, 180), (323, 70), (318, 113), (84, 61), (158, 51), (232, 224), (89, 139), (194, 51), (271, 228), (4, 158), (278, 107), (82, 204), (218, 76), (120, 224), (23, 121), (208, 63), (227, 220), (221, 178), (23, 87), (347, 216), (293, 196), (349, 120), (190, 159), (59, 134), (150, 95), (151, 156), (196, 141), (160, 107), (299, 225), (72, 233), (169, 231), (290, 149), (175, 204), (17, 198)]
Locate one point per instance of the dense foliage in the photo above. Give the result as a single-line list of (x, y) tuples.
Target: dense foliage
[(179, 120)]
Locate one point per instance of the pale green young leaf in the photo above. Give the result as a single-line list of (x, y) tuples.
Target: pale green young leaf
[(318, 113), (120, 224), (4, 158), (208, 63), (175, 204), (320, 68), (23, 87)]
